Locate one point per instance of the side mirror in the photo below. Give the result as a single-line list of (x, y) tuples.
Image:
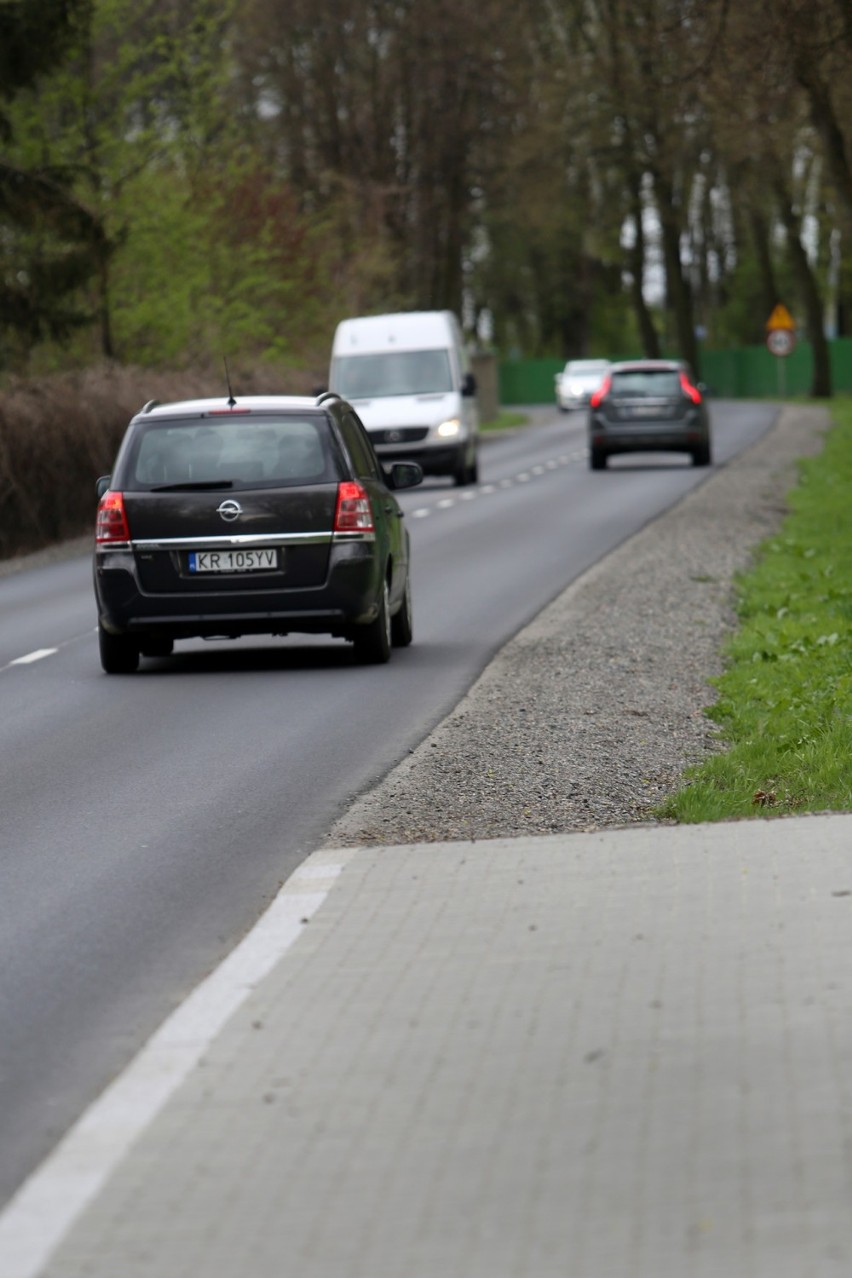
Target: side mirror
[(403, 474), (102, 485), (468, 386)]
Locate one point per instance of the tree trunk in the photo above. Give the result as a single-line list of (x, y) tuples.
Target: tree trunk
[(636, 260), (678, 292), (760, 238), (827, 125), (809, 293)]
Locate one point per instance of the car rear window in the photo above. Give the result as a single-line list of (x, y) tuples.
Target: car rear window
[(645, 383), (241, 451)]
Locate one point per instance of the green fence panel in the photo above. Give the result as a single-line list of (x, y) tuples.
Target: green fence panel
[(529, 381), (745, 372)]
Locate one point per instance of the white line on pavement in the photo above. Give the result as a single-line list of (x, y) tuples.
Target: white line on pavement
[(33, 656), (50, 1201)]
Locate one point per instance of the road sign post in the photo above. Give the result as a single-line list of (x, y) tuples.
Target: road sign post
[(781, 341)]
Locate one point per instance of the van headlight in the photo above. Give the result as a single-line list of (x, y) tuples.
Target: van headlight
[(449, 429)]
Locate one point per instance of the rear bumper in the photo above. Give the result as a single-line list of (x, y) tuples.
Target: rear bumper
[(349, 596), (649, 437)]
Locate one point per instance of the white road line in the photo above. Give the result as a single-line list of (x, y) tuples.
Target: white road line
[(446, 502), (38, 655), (48, 1204), (421, 512)]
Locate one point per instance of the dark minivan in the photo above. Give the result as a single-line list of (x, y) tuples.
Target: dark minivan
[(258, 515)]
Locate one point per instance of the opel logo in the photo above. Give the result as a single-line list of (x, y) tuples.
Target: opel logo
[(394, 436), (229, 510)]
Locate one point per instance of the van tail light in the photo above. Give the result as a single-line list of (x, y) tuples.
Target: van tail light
[(354, 513), (688, 389), (111, 524), (601, 393)]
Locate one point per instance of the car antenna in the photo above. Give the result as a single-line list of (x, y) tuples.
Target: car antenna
[(232, 403)]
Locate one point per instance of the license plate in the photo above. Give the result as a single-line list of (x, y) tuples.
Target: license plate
[(232, 560), (645, 410)]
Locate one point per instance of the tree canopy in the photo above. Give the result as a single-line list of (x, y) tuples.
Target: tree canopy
[(182, 179)]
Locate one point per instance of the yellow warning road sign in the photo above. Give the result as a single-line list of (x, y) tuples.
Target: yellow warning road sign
[(780, 318)]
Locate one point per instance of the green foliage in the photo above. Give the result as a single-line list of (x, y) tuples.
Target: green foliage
[(784, 709)]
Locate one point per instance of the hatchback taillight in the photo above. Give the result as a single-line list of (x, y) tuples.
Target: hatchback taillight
[(111, 524), (354, 513), (601, 393), (688, 389)]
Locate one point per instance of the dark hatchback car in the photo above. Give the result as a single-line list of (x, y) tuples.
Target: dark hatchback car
[(648, 406), (262, 515)]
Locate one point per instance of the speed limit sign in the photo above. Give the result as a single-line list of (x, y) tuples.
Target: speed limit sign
[(781, 341)]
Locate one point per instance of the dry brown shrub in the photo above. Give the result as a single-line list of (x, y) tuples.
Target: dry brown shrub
[(57, 434)]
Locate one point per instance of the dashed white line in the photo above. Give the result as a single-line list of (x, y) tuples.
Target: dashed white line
[(38, 655), (28, 658), (484, 490)]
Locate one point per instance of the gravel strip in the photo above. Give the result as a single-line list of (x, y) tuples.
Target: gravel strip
[(588, 717)]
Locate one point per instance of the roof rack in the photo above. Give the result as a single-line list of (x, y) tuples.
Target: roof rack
[(152, 403), (321, 398)]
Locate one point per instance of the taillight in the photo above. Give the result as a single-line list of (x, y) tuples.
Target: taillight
[(601, 393), (111, 524), (688, 389), (354, 513)]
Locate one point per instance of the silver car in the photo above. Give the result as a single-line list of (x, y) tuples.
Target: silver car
[(578, 381)]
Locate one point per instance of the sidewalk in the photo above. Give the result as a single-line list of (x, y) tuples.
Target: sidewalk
[(621, 1054)]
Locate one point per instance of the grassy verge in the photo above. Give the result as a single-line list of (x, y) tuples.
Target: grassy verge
[(784, 708), (504, 421)]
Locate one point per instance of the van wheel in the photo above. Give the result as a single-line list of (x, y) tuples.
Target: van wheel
[(597, 459), (461, 474), (373, 641), (402, 623), (119, 655)]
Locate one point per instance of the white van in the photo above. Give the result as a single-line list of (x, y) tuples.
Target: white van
[(408, 378)]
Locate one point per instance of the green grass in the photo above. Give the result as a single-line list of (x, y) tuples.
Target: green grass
[(784, 708), (505, 421)]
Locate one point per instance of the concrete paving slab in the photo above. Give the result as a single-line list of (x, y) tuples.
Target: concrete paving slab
[(605, 1055)]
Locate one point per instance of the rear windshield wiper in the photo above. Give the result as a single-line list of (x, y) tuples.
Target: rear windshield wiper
[(188, 486)]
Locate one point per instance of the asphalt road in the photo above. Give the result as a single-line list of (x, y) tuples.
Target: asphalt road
[(146, 821)]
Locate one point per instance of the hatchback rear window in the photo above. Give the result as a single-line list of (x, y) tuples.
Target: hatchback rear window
[(239, 451), (639, 384)]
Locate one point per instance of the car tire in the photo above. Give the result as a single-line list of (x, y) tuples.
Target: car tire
[(373, 641), (597, 459), (473, 471), (402, 622), (119, 655), (701, 455)]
